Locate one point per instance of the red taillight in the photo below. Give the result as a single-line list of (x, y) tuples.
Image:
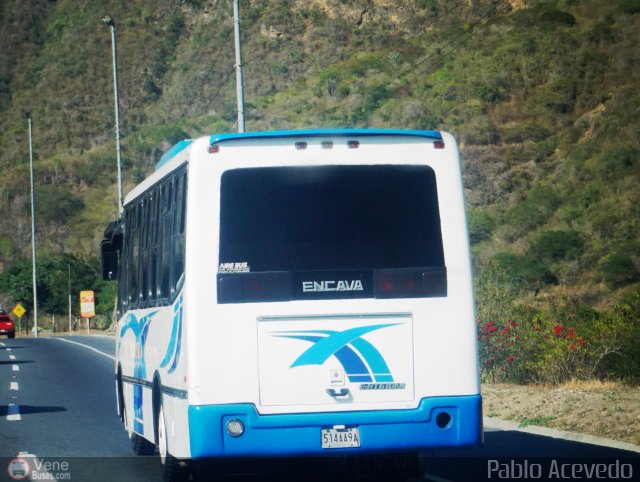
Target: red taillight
[(411, 282), (213, 149), (438, 144), (254, 287), (398, 284)]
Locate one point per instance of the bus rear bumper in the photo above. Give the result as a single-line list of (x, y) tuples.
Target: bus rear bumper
[(438, 422)]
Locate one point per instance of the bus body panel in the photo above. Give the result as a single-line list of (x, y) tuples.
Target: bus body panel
[(289, 369)]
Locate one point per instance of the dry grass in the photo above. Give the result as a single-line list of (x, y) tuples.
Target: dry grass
[(605, 409)]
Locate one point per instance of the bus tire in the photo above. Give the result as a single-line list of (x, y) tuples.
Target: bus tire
[(173, 469), (141, 446), (120, 396)]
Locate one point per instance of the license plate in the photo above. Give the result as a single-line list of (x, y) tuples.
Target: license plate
[(340, 438)]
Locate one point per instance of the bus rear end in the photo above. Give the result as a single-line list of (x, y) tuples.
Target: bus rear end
[(334, 314)]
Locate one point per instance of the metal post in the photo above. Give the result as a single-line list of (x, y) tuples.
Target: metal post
[(239, 83), (33, 229), (108, 20)]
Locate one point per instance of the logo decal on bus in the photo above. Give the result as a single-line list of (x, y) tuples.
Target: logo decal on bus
[(322, 286), (173, 349), (140, 329), (361, 360)]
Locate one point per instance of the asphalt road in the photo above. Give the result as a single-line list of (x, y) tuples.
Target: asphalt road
[(57, 412)]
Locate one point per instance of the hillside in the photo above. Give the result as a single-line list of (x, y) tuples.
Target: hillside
[(543, 96)]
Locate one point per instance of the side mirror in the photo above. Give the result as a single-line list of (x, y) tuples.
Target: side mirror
[(108, 260)]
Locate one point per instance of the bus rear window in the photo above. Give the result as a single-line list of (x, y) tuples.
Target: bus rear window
[(351, 220)]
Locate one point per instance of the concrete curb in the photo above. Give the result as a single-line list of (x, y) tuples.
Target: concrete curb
[(494, 423)]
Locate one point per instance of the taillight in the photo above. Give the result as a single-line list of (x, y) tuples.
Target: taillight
[(410, 282), (438, 144), (213, 149), (254, 287)]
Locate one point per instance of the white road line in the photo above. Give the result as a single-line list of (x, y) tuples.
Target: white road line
[(16, 368), (13, 413), (86, 346), (9, 349), (12, 357), (2, 344), (14, 386)]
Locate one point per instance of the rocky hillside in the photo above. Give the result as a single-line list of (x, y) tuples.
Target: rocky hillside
[(543, 95)]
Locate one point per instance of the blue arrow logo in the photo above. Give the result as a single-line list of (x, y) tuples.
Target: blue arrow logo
[(361, 360)]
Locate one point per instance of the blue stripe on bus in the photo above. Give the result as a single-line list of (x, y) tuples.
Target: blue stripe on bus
[(299, 434), (173, 152), (218, 138)]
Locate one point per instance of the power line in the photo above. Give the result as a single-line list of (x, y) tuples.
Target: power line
[(469, 33), (387, 51)]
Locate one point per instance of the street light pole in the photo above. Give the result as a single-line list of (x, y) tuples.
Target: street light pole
[(239, 83), (27, 115), (108, 20)]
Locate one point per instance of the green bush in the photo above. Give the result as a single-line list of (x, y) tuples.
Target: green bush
[(55, 204), (618, 270), (556, 245), (617, 162), (629, 6), (525, 272), (533, 211), (481, 225), (553, 18)]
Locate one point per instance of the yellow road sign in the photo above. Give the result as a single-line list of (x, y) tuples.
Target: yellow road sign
[(19, 310), (87, 304)]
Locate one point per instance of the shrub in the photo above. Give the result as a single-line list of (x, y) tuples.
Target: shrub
[(537, 350), (532, 211), (617, 162), (618, 270), (553, 18), (56, 203), (556, 245), (481, 225)]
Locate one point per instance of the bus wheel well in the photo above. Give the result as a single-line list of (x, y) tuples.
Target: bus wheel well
[(157, 402)]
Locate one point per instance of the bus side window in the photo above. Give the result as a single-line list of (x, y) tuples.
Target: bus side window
[(123, 281), (135, 258), (178, 233), (166, 227), (143, 268), (153, 247)]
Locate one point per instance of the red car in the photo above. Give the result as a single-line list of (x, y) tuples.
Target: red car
[(6, 325)]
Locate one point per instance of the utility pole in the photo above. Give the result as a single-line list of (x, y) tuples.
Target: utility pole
[(27, 115), (239, 83), (108, 20)]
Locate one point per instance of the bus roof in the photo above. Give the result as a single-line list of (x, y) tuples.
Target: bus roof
[(219, 138)]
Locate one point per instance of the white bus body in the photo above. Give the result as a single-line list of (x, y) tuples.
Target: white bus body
[(316, 299)]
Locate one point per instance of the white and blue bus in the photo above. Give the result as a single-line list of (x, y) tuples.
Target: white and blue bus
[(296, 293)]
